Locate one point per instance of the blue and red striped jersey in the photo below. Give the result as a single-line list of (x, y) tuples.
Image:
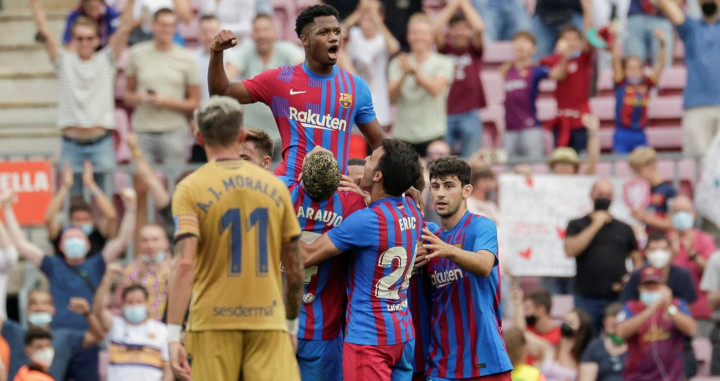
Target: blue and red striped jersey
[(382, 240), (466, 315), (323, 304), (631, 102), (656, 351), (419, 296), (312, 110)]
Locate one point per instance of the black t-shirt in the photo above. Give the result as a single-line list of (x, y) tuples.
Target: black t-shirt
[(603, 261), (97, 242), (679, 280), (610, 368), (557, 12)]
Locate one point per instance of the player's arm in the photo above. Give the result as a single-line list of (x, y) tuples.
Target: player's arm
[(592, 125), (218, 82), (94, 334), (27, 249), (476, 23), (441, 21), (373, 133), (294, 277), (119, 40), (588, 21), (617, 65), (662, 53), (108, 215), (319, 251), (179, 293), (41, 21), (115, 247), (56, 203), (157, 190), (672, 11), (479, 262), (102, 297)]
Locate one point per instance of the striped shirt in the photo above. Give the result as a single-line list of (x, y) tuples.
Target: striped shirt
[(154, 280), (86, 89)]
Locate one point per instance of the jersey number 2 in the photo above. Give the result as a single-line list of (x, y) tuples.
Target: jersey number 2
[(233, 220), (384, 288)]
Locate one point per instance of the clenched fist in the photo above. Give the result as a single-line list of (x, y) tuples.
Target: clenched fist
[(223, 40)]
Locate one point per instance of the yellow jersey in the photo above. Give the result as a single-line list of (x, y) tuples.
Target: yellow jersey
[(242, 215)]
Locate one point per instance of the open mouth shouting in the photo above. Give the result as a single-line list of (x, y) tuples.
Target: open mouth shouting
[(333, 52)]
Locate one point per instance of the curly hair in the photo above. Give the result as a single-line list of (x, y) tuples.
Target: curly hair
[(400, 166), (447, 167), (308, 15), (320, 175)]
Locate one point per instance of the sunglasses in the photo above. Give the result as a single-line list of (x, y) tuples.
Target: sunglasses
[(81, 39)]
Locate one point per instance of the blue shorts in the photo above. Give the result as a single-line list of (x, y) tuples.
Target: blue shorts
[(625, 140), (320, 360)]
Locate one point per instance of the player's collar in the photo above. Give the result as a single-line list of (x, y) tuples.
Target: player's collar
[(312, 74)]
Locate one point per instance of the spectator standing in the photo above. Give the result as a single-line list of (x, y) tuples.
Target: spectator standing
[(641, 37), (503, 18), (463, 43), (523, 136), (86, 82), (693, 249), (237, 15), (537, 306), (480, 201), (419, 83), (80, 213), (643, 161), (144, 11), (600, 245), (40, 352), (97, 10), (209, 28), (251, 60), (604, 359), (551, 16), (711, 284), (632, 94), (573, 92), (134, 332), (370, 47), (516, 346), (655, 327), (565, 160), (701, 119)]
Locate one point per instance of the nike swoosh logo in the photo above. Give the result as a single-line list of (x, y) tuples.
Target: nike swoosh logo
[(293, 92)]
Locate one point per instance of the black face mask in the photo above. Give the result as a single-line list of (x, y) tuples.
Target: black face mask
[(567, 331), (602, 203), (709, 8), (531, 320)]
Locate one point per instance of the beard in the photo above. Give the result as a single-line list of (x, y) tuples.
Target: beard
[(451, 209)]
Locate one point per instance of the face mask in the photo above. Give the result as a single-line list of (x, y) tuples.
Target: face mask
[(135, 314), (44, 357), (658, 258), (75, 248), (602, 203), (567, 331), (709, 8), (575, 54), (87, 228), (648, 297), (682, 221), (40, 319), (158, 258), (616, 340), (531, 320)]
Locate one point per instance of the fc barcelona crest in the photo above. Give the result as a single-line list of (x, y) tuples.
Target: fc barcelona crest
[(345, 100)]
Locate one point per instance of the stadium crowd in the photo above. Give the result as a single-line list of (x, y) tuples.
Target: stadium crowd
[(637, 306)]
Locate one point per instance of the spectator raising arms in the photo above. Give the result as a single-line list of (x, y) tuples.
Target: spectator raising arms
[(643, 161), (97, 10), (632, 94), (237, 15), (643, 22), (86, 82)]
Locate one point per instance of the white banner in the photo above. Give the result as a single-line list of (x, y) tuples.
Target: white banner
[(708, 189), (534, 214)]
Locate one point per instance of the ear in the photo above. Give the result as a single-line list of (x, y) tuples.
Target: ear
[(241, 135), (266, 162), (378, 176), (304, 40), (199, 138), (467, 190)]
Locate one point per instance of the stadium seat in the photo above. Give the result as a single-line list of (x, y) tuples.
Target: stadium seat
[(547, 88), (284, 15), (672, 81), (122, 129), (604, 108), (546, 109), (606, 139), (663, 111), (665, 138), (561, 306), (605, 82), (494, 87), (497, 53), (678, 52), (493, 124), (703, 353)]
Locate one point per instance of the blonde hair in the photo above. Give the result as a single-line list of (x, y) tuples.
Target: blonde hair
[(641, 157), (418, 17)]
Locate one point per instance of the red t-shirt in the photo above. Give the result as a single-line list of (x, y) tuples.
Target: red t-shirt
[(553, 337), (573, 93), (466, 92)]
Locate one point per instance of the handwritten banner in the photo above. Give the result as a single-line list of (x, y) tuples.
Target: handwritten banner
[(31, 181), (708, 189)]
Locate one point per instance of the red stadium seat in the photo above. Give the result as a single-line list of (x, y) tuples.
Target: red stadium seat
[(494, 124), (122, 129), (678, 52), (606, 139), (547, 88), (494, 86), (546, 109), (663, 111), (604, 108), (120, 85), (497, 53), (672, 81), (703, 352), (605, 83)]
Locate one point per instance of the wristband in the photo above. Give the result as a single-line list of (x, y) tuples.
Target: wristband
[(173, 332), (293, 325), (136, 153)]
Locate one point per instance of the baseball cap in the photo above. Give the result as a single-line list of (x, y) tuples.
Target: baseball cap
[(651, 274), (564, 155)]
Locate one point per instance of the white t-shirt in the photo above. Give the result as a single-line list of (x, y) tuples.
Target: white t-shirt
[(8, 259), (86, 89), (137, 352), (711, 279), (370, 57), (235, 15)]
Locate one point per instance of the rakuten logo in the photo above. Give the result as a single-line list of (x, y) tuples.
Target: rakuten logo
[(442, 279), (309, 119)]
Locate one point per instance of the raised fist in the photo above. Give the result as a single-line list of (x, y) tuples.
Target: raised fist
[(223, 40)]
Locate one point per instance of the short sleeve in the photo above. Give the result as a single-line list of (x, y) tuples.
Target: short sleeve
[(625, 313), (632, 243), (446, 69), (683, 307), (132, 66), (711, 278), (483, 236), (185, 214), (574, 228), (351, 203), (365, 112), (345, 236), (290, 224), (591, 353), (260, 86), (541, 72), (48, 265), (192, 74), (630, 292), (686, 29), (394, 69)]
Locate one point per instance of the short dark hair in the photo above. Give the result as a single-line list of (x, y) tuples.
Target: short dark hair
[(400, 166), (219, 120), (36, 333), (457, 18), (447, 167), (483, 174), (569, 28), (261, 16), (261, 139), (540, 298), (655, 237), (356, 161), (209, 17), (320, 175), (77, 204), (163, 11), (583, 335), (613, 309), (134, 287), (526, 35), (308, 15)]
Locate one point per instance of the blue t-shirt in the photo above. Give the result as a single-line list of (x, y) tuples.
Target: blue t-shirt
[(71, 281), (108, 23), (702, 54), (610, 368)]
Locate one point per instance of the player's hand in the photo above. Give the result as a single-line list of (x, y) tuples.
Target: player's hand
[(178, 361), (87, 175), (68, 177), (591, 122), (600, 217), (421, 256), (8, 197), (666, 295), (416, 195), (223, 40), (659, 35), (114, 271), (79, 306), (638, 215), (128, 196), (405, 64), (348, 185), (293, 342), (436, 246), (516, 294), (157, 101)]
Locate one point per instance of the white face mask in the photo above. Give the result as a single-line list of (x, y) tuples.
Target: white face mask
[(44, 357), (659, 258)]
